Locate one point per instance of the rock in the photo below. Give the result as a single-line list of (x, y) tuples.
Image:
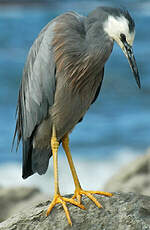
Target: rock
[(134, 177), (15, 199), (120, 212)]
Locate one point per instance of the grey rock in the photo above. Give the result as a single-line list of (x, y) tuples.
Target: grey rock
[(120, 212), (15, 199), (134, 177)]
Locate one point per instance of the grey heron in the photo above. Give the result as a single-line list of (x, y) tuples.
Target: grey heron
[(62, 77)]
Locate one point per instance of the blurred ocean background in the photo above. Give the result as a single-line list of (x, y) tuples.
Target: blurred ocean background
[(116, 128)]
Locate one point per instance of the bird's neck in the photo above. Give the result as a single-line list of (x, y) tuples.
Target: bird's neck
[(81, 55), (99, 44)]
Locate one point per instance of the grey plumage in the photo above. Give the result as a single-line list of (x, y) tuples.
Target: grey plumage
[(61, 79), (39, 81)]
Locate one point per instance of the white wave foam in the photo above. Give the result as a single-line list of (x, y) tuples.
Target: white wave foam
[(93, 174)]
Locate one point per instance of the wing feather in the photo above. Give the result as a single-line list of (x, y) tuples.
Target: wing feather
[(37, 88)]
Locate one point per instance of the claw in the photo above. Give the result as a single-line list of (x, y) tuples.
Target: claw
[(79, 192), (59, 199)]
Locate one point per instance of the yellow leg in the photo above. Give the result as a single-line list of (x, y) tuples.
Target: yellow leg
[(57, 197), (78, 190)]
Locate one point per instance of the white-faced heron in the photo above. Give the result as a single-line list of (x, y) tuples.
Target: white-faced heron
[(62, 78)]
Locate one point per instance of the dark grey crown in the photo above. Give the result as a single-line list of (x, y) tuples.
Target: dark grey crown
[(102, 13)]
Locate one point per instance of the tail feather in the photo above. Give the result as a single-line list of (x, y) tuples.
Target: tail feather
[(34, 160), (27, 159)]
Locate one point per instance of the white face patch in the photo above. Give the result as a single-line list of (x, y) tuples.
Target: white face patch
[(116, 26)]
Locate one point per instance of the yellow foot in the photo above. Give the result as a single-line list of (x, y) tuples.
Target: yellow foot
[(78, 195), (59, 199)]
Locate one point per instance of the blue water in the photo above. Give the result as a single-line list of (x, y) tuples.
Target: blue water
[(118, 124)]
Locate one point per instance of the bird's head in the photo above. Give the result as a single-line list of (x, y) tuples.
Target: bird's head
[(121, 28)]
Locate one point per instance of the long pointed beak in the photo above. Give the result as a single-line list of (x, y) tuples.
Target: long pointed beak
[(129, 53)]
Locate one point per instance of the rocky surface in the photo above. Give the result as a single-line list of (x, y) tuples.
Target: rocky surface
[(120, 212), (124, 211), (16, 199), (134, 177)]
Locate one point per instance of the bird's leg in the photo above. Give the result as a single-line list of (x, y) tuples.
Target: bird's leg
[(65, 144), (57, 197), (78, 190)]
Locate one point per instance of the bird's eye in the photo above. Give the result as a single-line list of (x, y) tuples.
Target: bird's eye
[(122, 37)]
